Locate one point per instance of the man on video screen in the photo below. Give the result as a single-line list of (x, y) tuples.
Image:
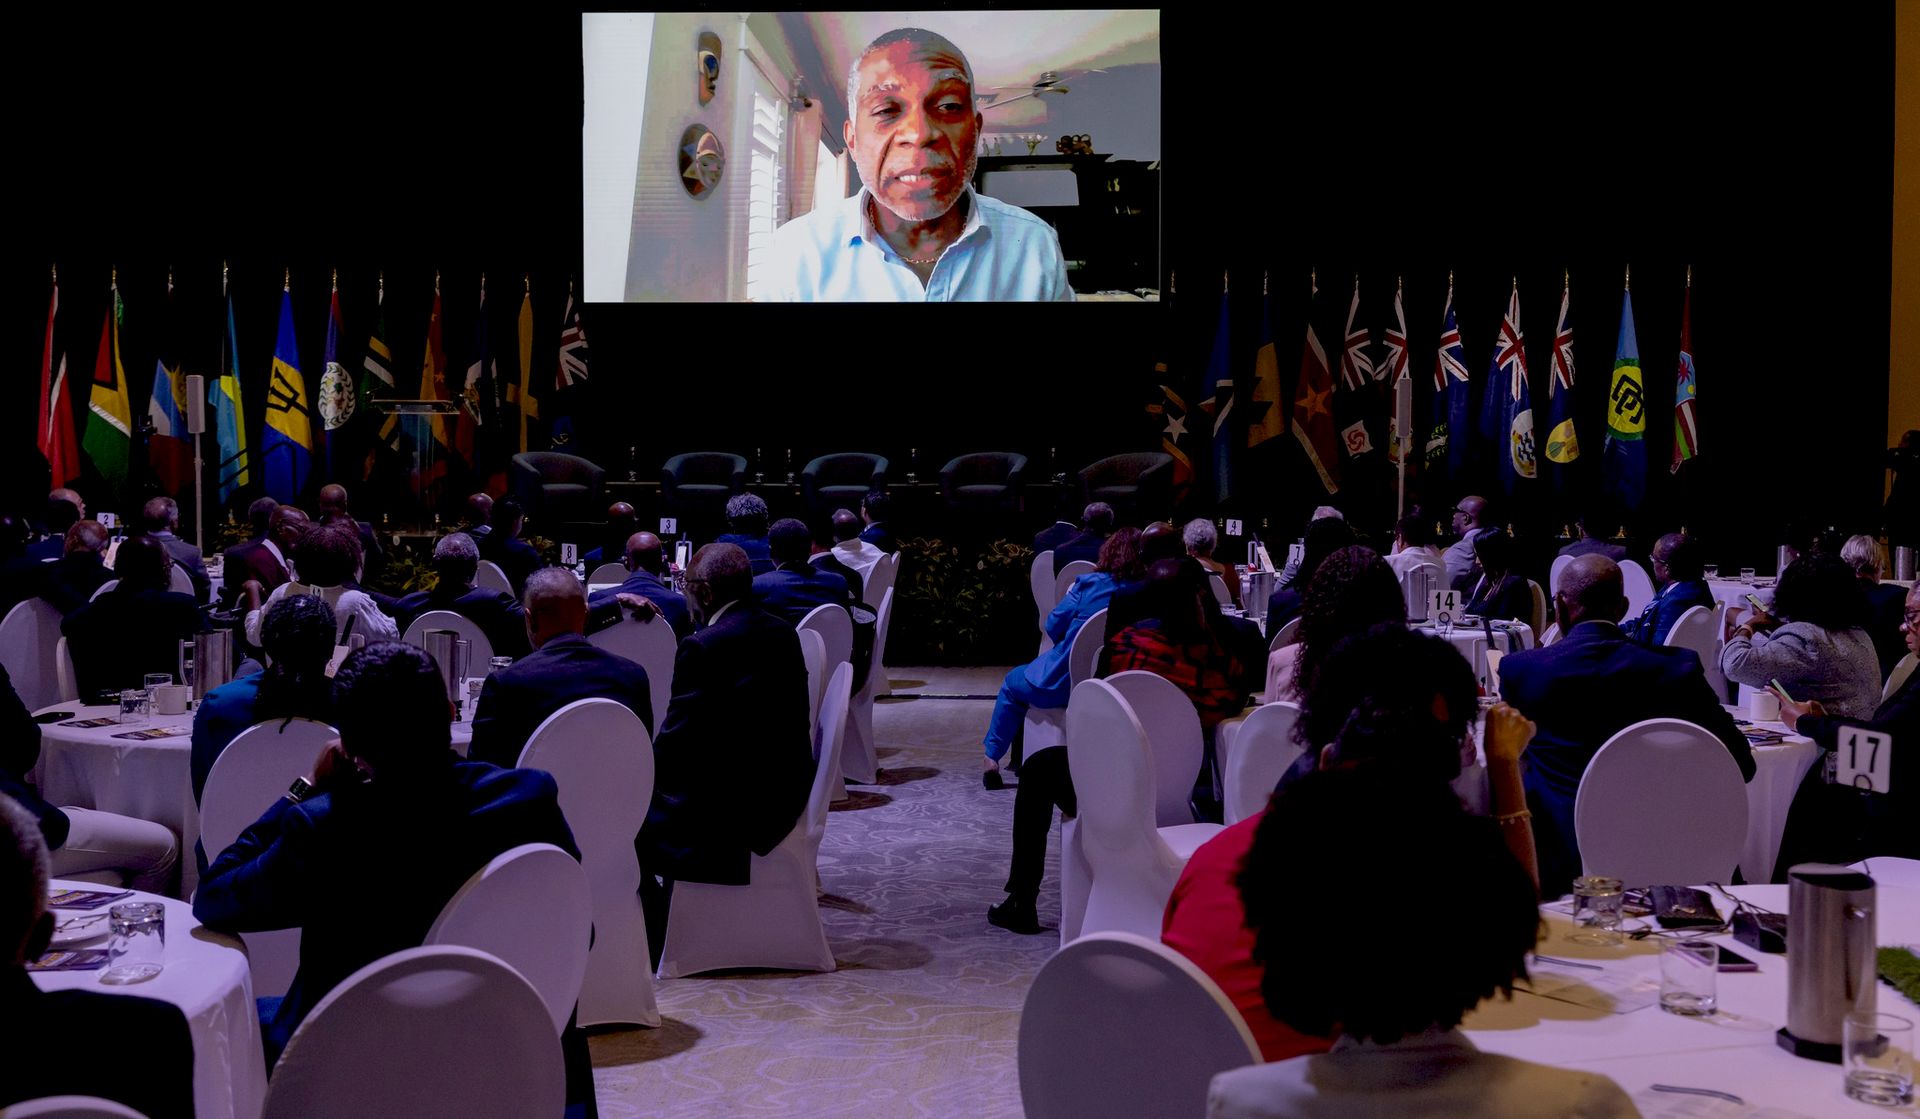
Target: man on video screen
[(916, 230)]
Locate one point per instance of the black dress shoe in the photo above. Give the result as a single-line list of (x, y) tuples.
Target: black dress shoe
[(1015, 916), (991, 779)]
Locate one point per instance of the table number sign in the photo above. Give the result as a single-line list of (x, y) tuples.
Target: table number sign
[(1865, 759), (1442, 605), (569, 554), (1233, 527), (108, 521), (669, 525), (1296, 553)]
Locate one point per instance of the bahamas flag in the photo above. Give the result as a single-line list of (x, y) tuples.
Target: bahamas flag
[(169, 448), (229, 418), (1563, 444), (109, 435), (1447, 441), (1624, 464), (286, 451)]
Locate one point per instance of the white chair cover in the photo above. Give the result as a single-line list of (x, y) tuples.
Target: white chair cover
[(649, 644), (1553, 573), (30, 645), (531, 908), (477, 657), (1662, 803), (1133, 862), (605, 573), (1552, 635), (69, 1107), (1220, 593), (1262, 751), (489, 575), (1066, 577), (860, 758), (599, 753), (1076, 882), (1538, 621), (1285, 635), (1040, 581), (439, 1032), (813, 650), (1084, 657), (179, 580), (66, 680), (1890, 871), (252, 772), (835, 627), (1698, 628), (774, 921), (1639, 587), (879, 579), (1901, 670), (1173, 735), (1120, 1026), (103, 589)]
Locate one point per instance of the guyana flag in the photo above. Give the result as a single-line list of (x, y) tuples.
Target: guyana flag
[(109, 436)]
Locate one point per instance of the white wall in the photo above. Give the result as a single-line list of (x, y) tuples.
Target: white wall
[(616, 50)]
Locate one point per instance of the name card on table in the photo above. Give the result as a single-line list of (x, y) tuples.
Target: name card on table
[(1865, 759), (569, 554), (1442, 605)]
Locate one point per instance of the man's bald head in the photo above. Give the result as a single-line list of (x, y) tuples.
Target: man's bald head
[(846, 525), (333, 500), (1591, 590), (555, 603), (85, 538), (479, 508), (287, 526), (644, 553), (620, 511), (718, 575), (70, 497)]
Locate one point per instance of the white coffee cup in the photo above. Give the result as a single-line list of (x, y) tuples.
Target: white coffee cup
[(171, 699), (1763, 706)]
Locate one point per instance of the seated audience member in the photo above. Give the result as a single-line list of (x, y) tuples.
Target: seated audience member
[(1173, 640), (1201, 539), (70, 582), (64, 507), (795, 587), (1413, 547), (333, 511), (1418, 719), (1677, 575), (1470, 522), (1325, 536), (84, 841), (1055, 534), (1045, 682), (1160, 540), (393, 824), (298, 635), (648, 578), (1592, 683), (1353, 591), (1837, 823), (1885, 601), (849, 548), (160, 519), (325, 560), (747, 530), (152, 1073), (1498, 591), (733, 761), (136, 627), (1291, 574), (263, 557), (503, 546), (1813, 641), (1594, 534), (563, 667), (1085, 544), (455, 560), (622, 523), (1397, 1045), (479, 513), (874, 510), (824, 558)]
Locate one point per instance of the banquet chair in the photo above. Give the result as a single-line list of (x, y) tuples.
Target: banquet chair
[(606, 573), (880, 578), (469, 631), (249, 775), (835, 627), (69, 1107), (1119, 1026), (599, 753), (1287, 634), (530, 907), (1047, 726), (103, 589), (1538, 619), (1552, 635), (1888, 870), (1064, 579), (1698, 628), (1040, 581), (774, 920), (179, 581), (66, 679), (1553, 573), (1133, 862), (860, 754), (813, 650), (1638, 586), (1898, 677), (651, 645), (1220, 593), (489, 574), (1662, 803), (836, 481), (1173, 737), (29, 649), (440, 1032), (1262, 751)]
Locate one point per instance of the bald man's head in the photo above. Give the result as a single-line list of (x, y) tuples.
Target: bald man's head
[(85, 538), (333, 501), (1590, 591), (644, 553)]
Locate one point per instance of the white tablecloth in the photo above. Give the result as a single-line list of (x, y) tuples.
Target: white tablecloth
[(1777, 773), (1732, 593), (1732, 1051), (206, 977), (1472, 643)]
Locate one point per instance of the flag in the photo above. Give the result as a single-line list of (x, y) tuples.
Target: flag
[(1267, 419), (54, 428), (376, 381), (1686, 434), (286, 448), (433, 386), (1219, 405), (570, 379), (520, 395), (1312, 419), (1624, 461), (466, 426), (1393, 370), (109, 435), (1171, 408), (1563, 442), (229, 418), (338, 401), (1508, 381), (169, 446), (1447, 441), (1356, 373)]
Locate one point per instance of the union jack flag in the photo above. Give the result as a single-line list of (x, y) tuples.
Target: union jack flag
[(1356, 369), (1452, 361), (1562, 445), (573, 349), (1395, 365)]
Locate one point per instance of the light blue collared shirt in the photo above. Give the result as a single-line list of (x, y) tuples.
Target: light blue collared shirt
[(834, 255)]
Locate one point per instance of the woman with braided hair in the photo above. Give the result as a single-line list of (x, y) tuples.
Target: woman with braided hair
[(1353, 590)]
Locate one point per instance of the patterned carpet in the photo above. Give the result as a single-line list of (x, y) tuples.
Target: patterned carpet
[(922, 1017)]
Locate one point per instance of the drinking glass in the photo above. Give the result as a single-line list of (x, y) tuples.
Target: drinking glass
[(495, 664), (157, 680), (1879, 1058), (1688, 972), (1746, 576), (137, 951), (1597, 902), (134, 707), (186, 672), (1710, 571)]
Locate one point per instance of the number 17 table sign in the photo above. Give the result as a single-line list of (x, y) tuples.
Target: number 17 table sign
[(1865, 759)]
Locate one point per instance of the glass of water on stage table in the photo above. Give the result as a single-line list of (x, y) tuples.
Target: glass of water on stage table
[(137, 951), (1597, 902)]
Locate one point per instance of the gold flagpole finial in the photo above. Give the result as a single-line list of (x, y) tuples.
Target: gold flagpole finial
[(1266, 278), (527, 279), (113, 278), (436, 281), (336, 279), (1223, 281), (380, 281), (1449, 279), (223, 277), (1629, 284), (483, 285), (1399, 283), (1689, 276), (1566, 277), (286, 280), (169, 277), (56, 273), (1516, 281), (570, 296)]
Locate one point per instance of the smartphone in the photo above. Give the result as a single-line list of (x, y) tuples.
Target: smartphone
[(1734, 961), (1755, 603), (46, 717), (1780, 690)]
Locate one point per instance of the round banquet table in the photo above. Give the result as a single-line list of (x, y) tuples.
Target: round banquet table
[(151, 779), (1731, 1051), (206, 976), (1508, 637)]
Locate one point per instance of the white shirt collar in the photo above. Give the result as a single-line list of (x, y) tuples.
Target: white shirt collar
[(722, 612), (275, 549)]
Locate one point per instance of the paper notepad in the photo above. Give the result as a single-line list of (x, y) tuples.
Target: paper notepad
[(1684, 1105), (1604, 989)]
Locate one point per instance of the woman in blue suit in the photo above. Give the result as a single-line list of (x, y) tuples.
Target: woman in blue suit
[(1045, 682)]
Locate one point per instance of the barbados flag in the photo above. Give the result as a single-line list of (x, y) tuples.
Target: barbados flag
[(1624, 464), (286, 451)]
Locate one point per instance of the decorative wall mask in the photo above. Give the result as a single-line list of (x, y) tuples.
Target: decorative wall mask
[(708, 56), (701, 160)]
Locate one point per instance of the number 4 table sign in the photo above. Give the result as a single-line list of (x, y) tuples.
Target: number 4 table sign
[(1865, 759)]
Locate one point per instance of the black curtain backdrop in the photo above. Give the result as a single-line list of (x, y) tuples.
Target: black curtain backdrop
[(1494, 141)]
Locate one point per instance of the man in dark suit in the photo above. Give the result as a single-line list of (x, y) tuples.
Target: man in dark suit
[(67, 583), (1677, 574), (455, 559), (479, 511), (153, 1074), (64, 507), (333, 510), (646, 561), (268, 559), (747, 530), (733, 761), (563, 667), (795, 587), (1582, 690), (393, 824), (1596, 532), (1054, 535), (622, 523), (136, 627), (1085, 544), (874, 510), (160, 519), (503, 545)]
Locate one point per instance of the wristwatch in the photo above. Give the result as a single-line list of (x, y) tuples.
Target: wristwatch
[(300, 790)]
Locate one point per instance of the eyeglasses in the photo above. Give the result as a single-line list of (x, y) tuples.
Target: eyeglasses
[(1911, 617)]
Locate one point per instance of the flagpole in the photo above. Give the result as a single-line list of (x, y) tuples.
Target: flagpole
[(1402, 439)]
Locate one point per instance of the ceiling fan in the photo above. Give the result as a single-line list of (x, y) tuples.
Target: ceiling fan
[(1049, 81)]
